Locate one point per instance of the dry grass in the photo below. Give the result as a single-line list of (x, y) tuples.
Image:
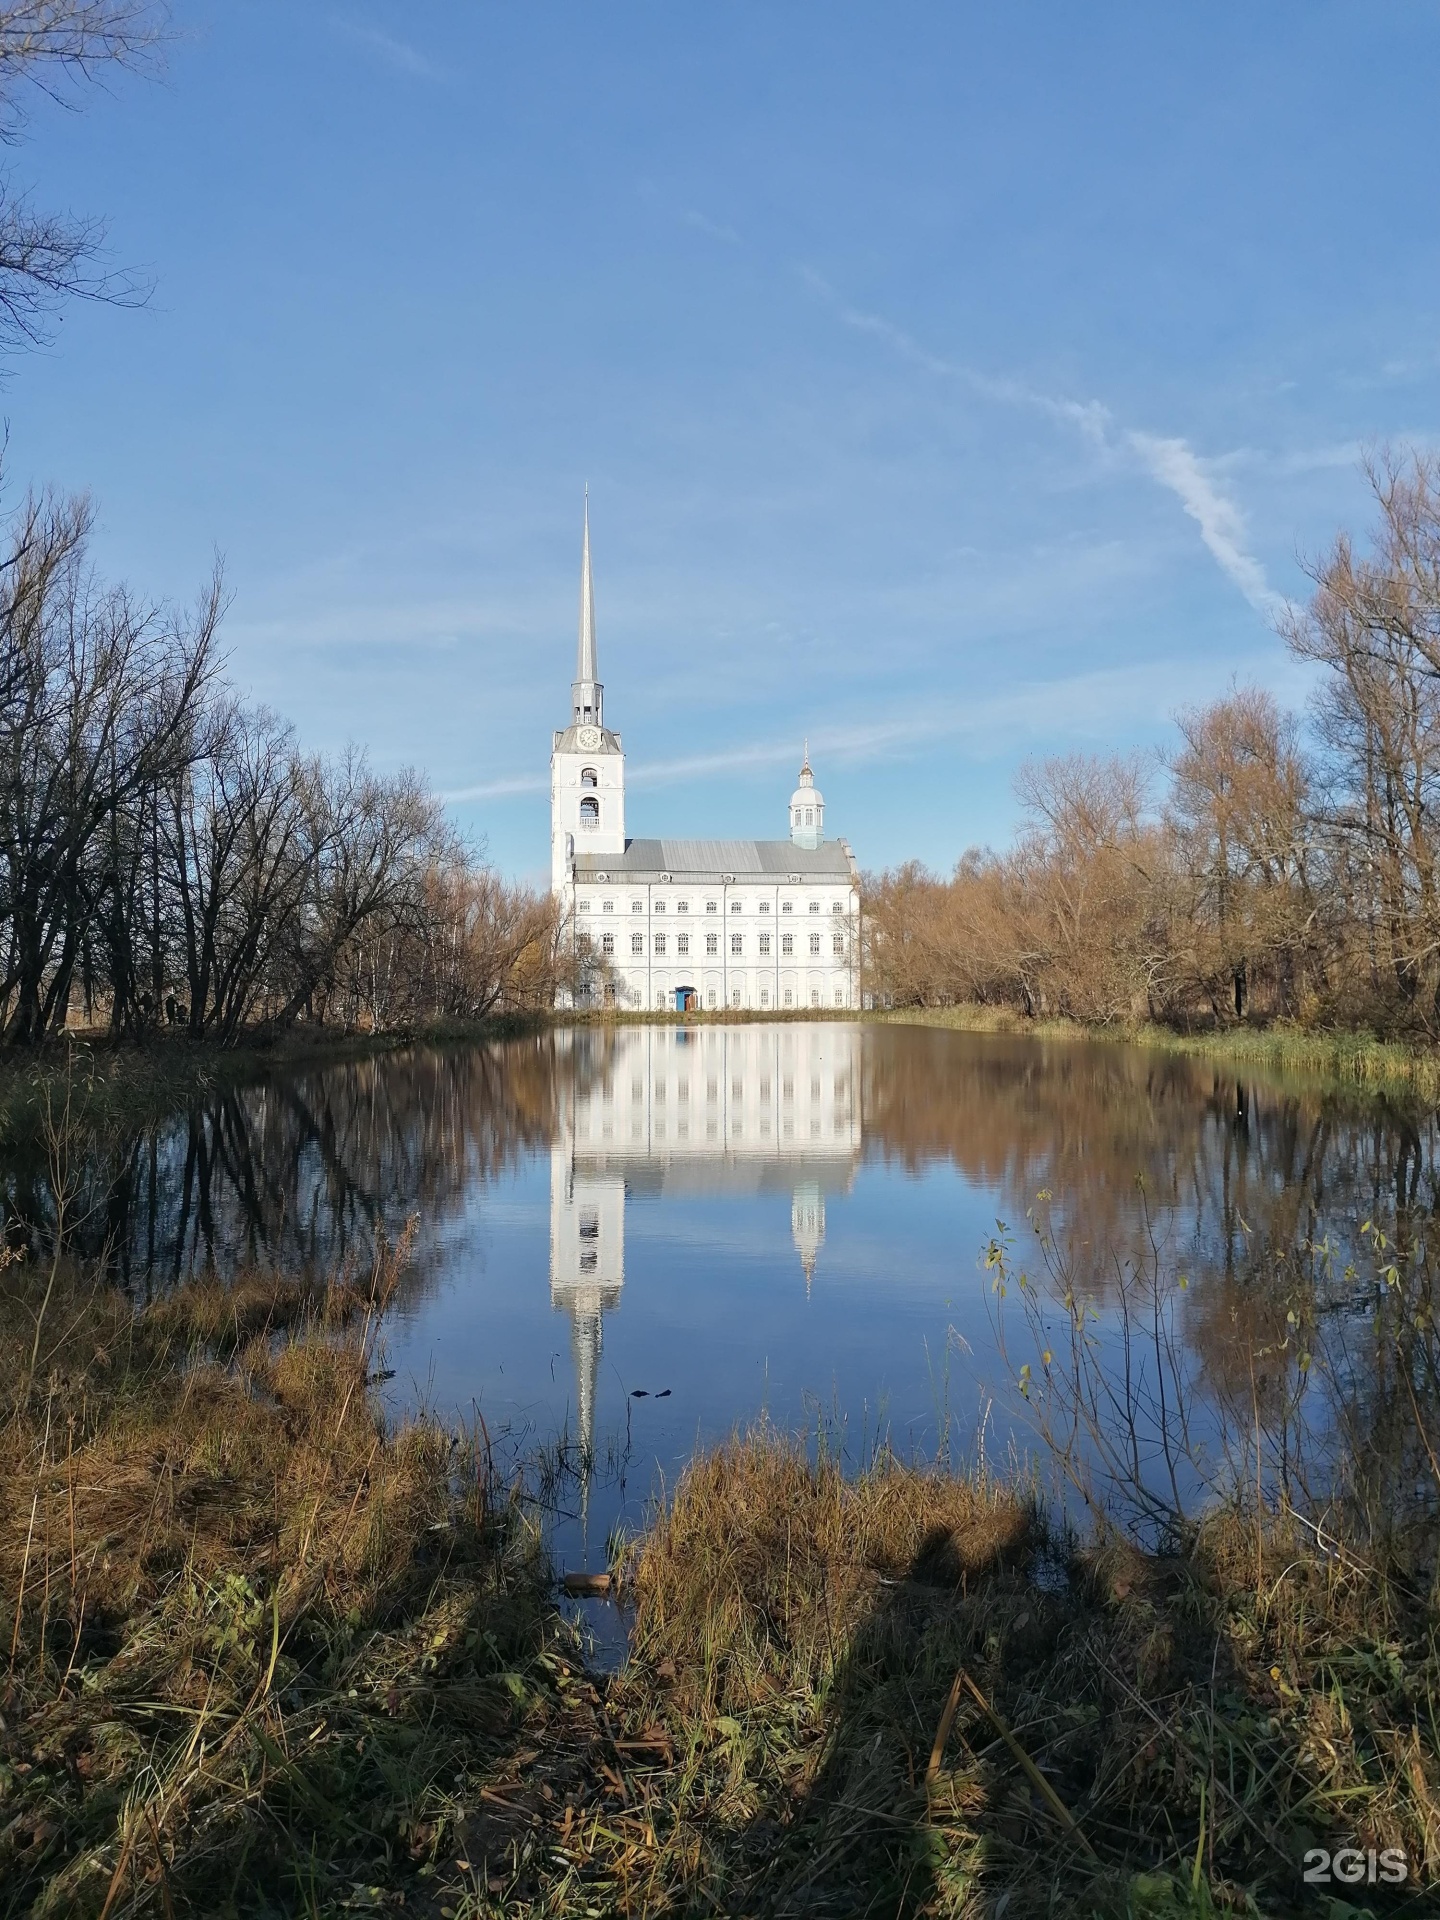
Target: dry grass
[(799, 1637), (267, 1656), (255, 1640)]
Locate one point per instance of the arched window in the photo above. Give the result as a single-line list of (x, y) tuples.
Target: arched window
[(589, 813), (589, 777)]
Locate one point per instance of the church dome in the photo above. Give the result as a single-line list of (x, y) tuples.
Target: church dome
[(807, 808)]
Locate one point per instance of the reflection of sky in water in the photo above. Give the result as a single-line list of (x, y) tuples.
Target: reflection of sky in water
[(706, 1228)]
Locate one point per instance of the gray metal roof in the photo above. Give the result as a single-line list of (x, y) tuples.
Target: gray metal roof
[(711, 859)]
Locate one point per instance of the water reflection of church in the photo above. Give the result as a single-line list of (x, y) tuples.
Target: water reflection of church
[(689, 1112)]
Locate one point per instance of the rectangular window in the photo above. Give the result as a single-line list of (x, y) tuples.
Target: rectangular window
[(764, 906), (814, 906), (710, 907), (814, 943), (737, 942), (584, 906), (712, 943), (659, 943), (838, 907), (734, 906), (764, 943), (710, 996), (607, 943), (789, 997), (787, 906), (682, 943), (637, 906), (659, 906), (637, 943), (609, 907), (764, 996), (838, 943), (787, 943), (682, 906)]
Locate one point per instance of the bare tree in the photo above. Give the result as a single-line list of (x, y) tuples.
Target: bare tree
[(53, 47), (366, 841), (237, 863), (96, 695), (1239, 811), (1374, 624)]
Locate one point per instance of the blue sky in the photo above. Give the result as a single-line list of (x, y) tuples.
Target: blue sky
[(954, 383)]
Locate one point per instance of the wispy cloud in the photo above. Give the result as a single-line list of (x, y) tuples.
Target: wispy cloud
[(505, 788), (1167, 459), (1069, 708), (1174, 463), (395, 53), (1090, 416), (716, 229)]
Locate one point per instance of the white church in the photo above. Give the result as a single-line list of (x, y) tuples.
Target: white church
[(681, 925)]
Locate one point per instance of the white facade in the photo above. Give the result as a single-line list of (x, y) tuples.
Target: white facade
[(680, 1110), (678, 925)]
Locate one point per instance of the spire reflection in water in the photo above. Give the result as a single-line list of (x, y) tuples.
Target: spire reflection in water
[(683, 1112)]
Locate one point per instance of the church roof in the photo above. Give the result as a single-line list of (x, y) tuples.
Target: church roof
[(713, 859)]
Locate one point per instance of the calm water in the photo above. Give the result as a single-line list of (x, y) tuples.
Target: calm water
[(639, 1238)]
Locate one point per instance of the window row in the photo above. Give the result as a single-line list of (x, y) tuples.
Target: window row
[(665, 999), (660, 1088), (683, 906), (737, 944)]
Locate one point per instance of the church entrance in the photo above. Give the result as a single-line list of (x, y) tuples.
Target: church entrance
[(687, 1000)]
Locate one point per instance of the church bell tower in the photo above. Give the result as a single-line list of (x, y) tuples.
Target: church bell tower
[(587, 762)]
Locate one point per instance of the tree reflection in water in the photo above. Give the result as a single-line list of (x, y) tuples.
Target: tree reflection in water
[(1254, 1190)]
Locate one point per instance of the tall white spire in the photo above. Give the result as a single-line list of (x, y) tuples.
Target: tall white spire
[(587, 692)]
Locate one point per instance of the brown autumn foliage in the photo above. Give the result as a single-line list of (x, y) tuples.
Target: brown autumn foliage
[(1278, 872)]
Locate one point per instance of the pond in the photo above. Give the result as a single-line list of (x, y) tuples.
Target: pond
[(630, 1240)]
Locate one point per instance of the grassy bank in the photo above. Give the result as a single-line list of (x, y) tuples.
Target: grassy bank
[(1353, 1058), (267, 1655)]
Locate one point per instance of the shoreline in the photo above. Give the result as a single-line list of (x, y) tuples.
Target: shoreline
[(1345, 1057), (121, 1081)]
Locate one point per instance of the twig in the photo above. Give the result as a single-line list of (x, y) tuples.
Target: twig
[(1032, 1773), (942, 1732), (619, 1762)]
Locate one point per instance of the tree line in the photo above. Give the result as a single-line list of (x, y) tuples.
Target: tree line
[(172, 856), (1285, 867), (168, 854)]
